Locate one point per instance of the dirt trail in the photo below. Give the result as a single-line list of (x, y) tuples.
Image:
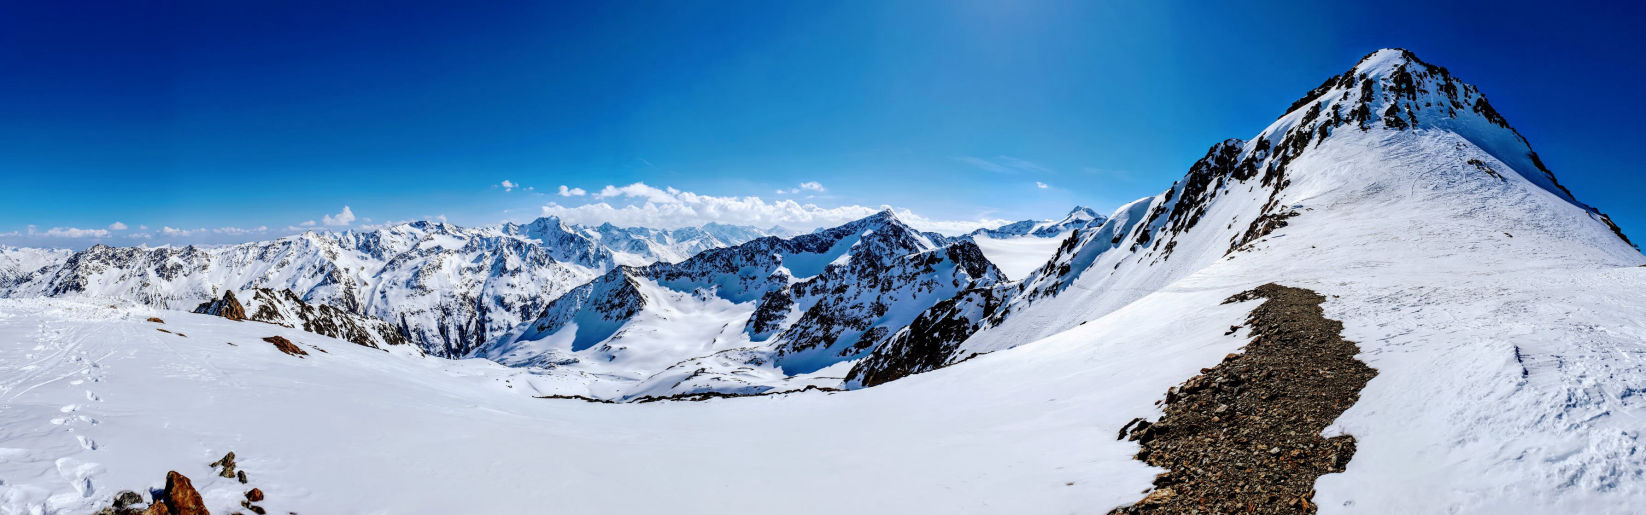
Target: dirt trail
[(1244, 436)]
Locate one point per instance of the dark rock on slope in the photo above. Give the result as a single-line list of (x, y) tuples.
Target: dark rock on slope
[(1244, 436)]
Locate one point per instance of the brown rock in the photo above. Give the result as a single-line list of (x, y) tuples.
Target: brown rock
[(158, 508), (126, 498), (254, 495), (226, 307), (156, 320), (286, 346), (181, 497), (227, 462)]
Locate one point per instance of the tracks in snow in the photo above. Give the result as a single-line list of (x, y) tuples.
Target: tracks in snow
[(48, 401)]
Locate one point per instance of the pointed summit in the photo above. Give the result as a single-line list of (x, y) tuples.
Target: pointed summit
[(1392, 89)]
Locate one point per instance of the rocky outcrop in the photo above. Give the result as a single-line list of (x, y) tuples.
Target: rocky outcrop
[(226, 307), (285, 308), (178, 498)]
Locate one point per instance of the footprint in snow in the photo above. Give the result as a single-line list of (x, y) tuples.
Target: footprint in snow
[(92, 396), (69, 408), (87, 443), (79, 474)]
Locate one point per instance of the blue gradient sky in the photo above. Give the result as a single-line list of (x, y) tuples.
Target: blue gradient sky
[(270, 114)]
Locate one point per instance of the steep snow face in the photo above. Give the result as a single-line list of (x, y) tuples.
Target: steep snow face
[(1383, 127), (748, 318)]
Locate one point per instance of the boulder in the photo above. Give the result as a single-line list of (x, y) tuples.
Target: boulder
[(286, 346), (180, 498)]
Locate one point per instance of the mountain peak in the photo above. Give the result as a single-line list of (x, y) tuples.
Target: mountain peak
[(1385, 61)]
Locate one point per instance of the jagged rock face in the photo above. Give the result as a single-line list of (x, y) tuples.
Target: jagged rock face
[(849, 310), (449, 288), (808, 302), (1230, 199), (928, 342), (287, 309)]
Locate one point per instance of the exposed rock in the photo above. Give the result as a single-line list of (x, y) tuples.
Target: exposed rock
[(285, 308), (1244, 436), (285, 346), (254, 495), (156, 320), (127, 498), (227, 463), (180, 497), (226, 307)]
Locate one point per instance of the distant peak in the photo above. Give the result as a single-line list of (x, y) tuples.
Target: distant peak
[(885, 215)]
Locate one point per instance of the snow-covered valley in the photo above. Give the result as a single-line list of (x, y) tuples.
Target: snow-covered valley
[(984, 373)]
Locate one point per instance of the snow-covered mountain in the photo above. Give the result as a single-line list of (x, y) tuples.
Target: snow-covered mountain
[(1498, 323), (1390, 122), (449, 288), (639, 246), (1080, 217), (746, 318)]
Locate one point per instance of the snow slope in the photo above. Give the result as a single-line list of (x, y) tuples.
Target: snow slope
[(1026, 430)]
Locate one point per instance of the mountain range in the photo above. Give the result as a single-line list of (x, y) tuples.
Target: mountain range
[(1384, 301)]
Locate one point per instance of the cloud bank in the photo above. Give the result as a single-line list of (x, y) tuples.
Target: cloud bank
[(639, 204)]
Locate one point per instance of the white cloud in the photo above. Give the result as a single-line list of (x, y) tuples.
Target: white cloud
[(1003, 164), (1040, 185), (643, 205), (509, 185), (307, 223), (173, 231), (117, 226), (69, 232), (142, 227), (344, 217), (140, 236), (639, 190), (572, 192), (813, 186), (237, 230)]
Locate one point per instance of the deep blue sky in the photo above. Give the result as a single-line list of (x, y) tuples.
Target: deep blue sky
[(247, 114)]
